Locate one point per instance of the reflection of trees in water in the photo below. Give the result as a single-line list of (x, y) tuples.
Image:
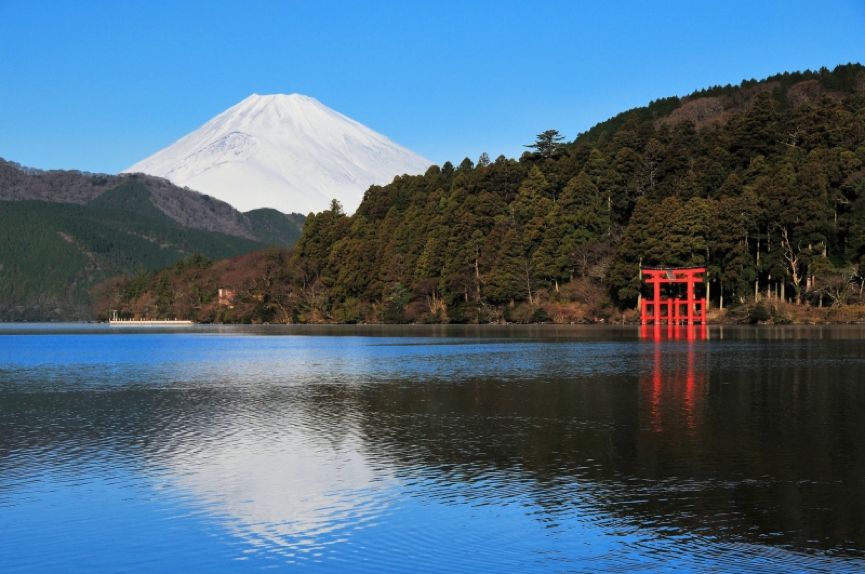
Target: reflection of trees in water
[(703, 442), (700, 445)]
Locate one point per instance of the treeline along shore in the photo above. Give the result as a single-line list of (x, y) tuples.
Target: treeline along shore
[(762, 183)]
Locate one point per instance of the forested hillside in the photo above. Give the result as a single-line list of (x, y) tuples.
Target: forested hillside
[(185, 206), (764, 183), (62, 232)]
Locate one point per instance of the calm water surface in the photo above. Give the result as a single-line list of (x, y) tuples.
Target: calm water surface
[(364, 449)]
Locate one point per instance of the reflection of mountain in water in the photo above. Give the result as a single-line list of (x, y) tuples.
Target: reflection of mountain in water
[(277, 482)]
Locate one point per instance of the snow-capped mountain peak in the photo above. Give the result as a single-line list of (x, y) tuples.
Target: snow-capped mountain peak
[(289, 152)]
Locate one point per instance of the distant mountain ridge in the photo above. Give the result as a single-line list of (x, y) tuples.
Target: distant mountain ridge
[(288, 152), (61, 232), (186, 207)]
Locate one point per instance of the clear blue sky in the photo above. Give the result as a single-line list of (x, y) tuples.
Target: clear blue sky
[(100, 85)]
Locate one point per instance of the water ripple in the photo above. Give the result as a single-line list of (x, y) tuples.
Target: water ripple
[(229, 451)]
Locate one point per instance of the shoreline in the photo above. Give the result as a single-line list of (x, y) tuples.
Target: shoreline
[(767, 312)]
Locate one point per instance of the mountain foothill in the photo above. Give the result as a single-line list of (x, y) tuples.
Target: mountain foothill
[(62, 232)]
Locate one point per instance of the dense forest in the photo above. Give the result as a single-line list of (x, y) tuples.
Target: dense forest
[(763, 183)]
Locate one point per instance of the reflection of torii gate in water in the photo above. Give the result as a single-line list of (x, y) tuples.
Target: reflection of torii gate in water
[(682, 386), (673, 301), (674, 309)]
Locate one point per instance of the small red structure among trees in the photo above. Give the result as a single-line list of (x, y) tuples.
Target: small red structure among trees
[(674, 299)]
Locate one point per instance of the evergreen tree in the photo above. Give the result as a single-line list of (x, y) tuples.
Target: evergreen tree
[(548, 143)]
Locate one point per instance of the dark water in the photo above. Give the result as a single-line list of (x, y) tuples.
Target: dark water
[(431, 449)]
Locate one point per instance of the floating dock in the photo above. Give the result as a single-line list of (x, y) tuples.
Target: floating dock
[(147, 322)]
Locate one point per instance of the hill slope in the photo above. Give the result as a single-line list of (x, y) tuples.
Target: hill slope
[(764, 183), (288, 152), (61, 232), (188, 208)]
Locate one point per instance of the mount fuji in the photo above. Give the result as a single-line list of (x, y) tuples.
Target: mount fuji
[(288, 152)]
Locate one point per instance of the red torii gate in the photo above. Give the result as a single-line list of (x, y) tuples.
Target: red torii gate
[(651, 310)]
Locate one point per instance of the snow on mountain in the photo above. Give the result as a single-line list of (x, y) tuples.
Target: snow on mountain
[(289, 152)]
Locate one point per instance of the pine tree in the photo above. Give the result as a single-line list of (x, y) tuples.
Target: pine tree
[(548, 143)]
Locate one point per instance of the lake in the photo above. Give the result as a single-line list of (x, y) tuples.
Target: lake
[(432, 449)]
